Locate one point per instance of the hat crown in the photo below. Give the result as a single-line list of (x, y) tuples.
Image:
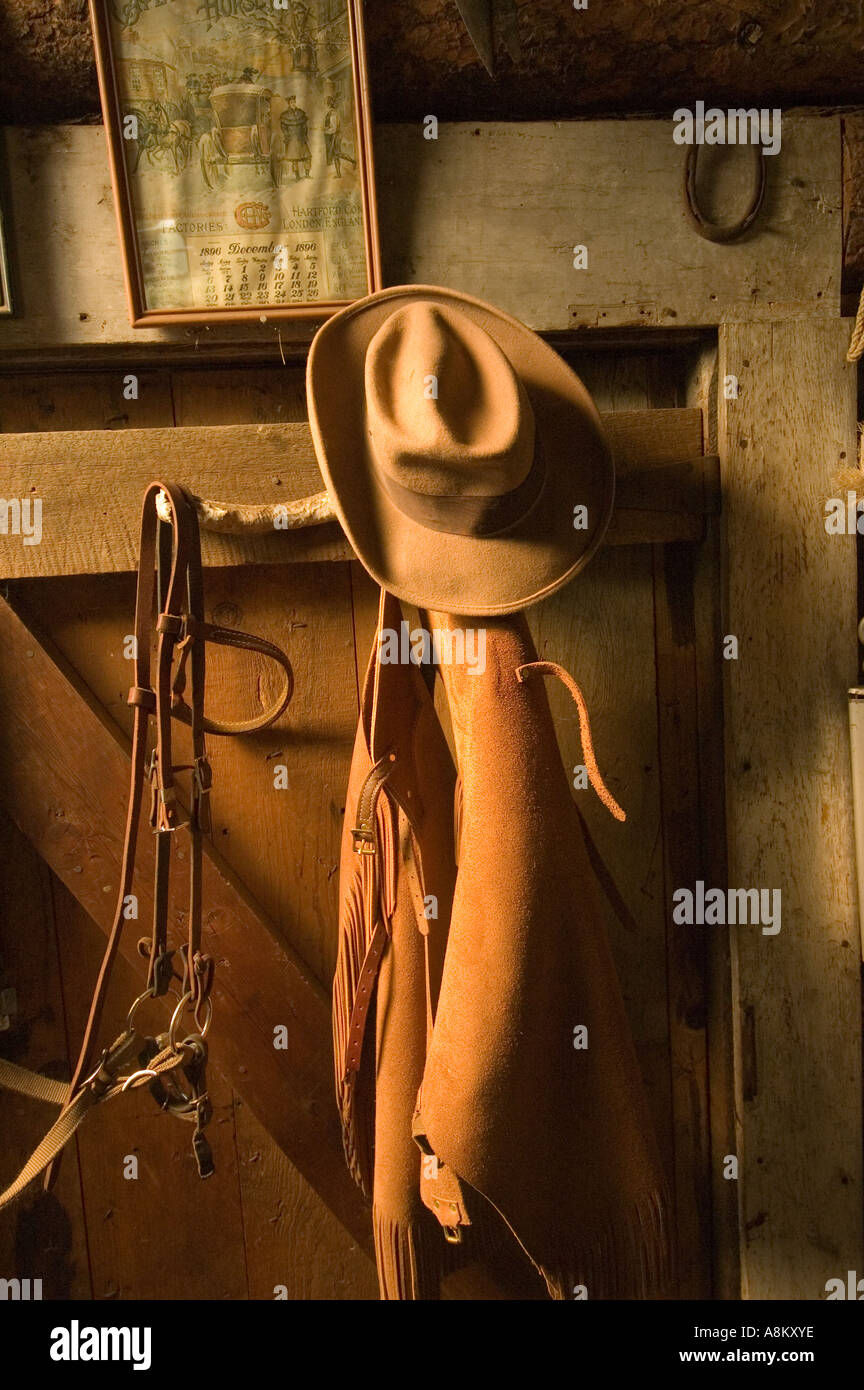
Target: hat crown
[(446, 412)]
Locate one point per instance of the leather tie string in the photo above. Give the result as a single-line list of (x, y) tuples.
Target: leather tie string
[(551, 668)]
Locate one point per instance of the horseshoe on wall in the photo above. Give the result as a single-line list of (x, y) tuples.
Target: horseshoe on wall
[(723, 231)]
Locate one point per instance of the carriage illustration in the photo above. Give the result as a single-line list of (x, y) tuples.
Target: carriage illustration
[(241, 132)]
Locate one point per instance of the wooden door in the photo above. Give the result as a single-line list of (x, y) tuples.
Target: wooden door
[(640, 632)]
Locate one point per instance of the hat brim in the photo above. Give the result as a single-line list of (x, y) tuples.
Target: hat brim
[(463, 575)]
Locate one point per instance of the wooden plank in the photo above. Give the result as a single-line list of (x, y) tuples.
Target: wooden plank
[(42, 1235), (238, 395), (294, 1249), (646, 438), (77, 400), (853, 205), (476, 206), (101, 475), (162, 1234), (653, 528), (471, 210), (678, 746), (64, 774), (282, 841), (307, 612), (50, 403), (702, 390), (791, 603), (601, 628), (721, 1011), (634, 375)]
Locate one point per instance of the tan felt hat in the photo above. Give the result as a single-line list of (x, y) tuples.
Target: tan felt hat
[(465, 460)]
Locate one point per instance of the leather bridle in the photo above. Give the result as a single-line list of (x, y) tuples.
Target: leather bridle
[(172, 1063)]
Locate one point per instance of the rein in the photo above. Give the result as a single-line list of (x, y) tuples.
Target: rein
[(173, 1063)]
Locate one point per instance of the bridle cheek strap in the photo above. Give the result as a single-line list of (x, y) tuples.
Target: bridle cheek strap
[(172, 1064)]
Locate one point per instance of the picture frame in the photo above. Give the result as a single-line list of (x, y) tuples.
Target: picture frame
[(5, 277), (240, 145)]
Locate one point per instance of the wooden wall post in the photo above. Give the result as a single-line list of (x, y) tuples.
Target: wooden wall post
[(791, 602)]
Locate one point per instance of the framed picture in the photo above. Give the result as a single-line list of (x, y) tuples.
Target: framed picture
[(5, 289), (239, 137)]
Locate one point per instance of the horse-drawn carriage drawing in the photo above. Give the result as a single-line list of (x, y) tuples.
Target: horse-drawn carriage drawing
[(163, 137), (241, 131)]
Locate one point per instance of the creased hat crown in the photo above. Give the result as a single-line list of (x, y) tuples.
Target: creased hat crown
[(456, 445), (447, 414)]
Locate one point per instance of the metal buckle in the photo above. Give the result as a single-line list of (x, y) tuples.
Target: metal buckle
[(165, 810), (161, 799), (202, 774), (138, 1076), (111, 1061), (452, 1234), (172, 625), (202, 781), (364, 840)]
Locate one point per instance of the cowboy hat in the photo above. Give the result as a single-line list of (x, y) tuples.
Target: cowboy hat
[(464, 459)]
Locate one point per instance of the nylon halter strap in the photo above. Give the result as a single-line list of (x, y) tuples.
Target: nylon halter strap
[(173, 1063)]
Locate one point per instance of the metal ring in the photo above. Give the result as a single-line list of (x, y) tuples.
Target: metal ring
[(716, 231), (203, 1031), (130, 1017), (175, 1018), (148, 994)]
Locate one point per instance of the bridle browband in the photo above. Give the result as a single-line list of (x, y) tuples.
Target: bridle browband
[(173, 1063)]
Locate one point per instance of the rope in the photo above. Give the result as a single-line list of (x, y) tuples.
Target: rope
[(237, 518)]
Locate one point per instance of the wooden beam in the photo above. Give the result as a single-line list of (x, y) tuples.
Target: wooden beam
[(686, 947), (64, 771), (91, 483), (791, 604), (493, 209), (497, 210), (552, 60), (853, 207)]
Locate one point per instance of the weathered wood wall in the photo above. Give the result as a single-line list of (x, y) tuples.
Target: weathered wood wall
[(778, 1021), (791, 602), (265, 1225), (526, 195)]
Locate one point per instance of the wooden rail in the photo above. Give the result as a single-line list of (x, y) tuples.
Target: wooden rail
[(90, 483)]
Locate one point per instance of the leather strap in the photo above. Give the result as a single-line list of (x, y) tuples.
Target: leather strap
[(229, 637), (551, 668), (366, 843), (170, 578), (366, 981)]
